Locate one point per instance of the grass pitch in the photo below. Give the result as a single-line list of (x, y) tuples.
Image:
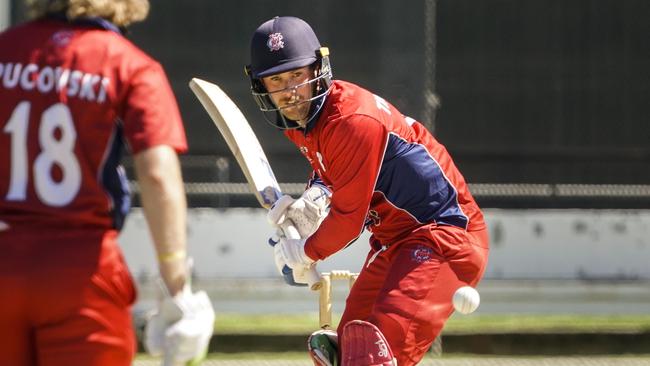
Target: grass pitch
[(230, 323)]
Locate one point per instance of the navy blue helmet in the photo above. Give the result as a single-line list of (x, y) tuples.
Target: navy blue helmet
[(283, 44)]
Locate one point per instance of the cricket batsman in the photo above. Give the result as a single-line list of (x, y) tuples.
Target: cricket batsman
[(74, 93), (376, 169)]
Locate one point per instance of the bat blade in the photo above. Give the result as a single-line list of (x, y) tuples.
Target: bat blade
[(243, 143), (241, 140)]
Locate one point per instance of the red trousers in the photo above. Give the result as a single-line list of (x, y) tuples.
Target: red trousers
[(65, 299), (406, 290)]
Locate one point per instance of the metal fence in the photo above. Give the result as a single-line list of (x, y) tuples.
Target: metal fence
[(546, 92)]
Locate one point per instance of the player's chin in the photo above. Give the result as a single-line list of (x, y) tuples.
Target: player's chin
[(295, 113)]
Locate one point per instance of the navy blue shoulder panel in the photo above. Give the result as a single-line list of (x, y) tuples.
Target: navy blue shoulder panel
[(412, 180)]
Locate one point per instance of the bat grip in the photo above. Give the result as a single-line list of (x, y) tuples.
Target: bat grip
[(311, 275)]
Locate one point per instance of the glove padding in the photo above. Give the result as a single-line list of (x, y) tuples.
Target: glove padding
[(181, 327), (291, 252), (306, 213), (292, 278), (303, 216)]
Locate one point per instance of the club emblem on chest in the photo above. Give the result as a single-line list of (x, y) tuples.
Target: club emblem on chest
[(422, 254)]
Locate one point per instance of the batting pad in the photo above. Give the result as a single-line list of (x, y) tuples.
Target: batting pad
[(365, 345)]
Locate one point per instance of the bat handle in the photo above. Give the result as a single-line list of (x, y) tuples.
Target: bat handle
[(313, 278), (311, 275)]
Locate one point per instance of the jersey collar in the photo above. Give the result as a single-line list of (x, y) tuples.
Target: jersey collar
[(92, 22)]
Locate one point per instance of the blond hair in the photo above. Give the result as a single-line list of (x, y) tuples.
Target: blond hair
[(119, 12)]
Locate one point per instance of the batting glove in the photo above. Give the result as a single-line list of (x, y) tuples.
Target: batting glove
[(180, 327), (292, 253), (306, 213)]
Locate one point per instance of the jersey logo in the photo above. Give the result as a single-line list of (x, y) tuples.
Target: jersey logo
[(62, 38), (422, 254), (275, 42)]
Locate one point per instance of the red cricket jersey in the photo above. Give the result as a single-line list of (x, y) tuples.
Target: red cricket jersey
[(386, 171), (70, 97)]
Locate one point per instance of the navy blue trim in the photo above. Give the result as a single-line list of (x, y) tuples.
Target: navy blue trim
[(317, 109), (92, 22), (413, 181), (115, 181)]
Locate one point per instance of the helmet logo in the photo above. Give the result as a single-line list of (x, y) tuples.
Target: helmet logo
[(275, 42)]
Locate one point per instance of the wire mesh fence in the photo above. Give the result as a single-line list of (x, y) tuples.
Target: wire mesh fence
[(216, 181)]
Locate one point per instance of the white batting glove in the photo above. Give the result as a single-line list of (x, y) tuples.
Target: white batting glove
[(292, 253), (181, 326), (306, 213), (278, 212), (297, 277)]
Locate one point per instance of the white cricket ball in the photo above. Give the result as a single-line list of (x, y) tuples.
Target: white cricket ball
[(466, 299)]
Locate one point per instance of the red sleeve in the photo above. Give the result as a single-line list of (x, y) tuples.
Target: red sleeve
[(354, 149), (151, 116)]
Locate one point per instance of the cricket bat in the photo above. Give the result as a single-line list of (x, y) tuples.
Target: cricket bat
[(243, 143)]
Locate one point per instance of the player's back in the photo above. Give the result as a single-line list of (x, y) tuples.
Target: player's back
[(62, 90)]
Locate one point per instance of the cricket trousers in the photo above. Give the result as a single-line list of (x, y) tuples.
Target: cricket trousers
[(66, 297), (406, 289)]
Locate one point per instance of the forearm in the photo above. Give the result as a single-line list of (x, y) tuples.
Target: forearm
[(165, 208)]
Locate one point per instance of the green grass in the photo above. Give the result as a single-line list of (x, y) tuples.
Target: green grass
[(229, 323), (244, 356), (548, 323)]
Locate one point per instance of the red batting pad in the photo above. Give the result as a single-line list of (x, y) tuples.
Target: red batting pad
[(365, 345)]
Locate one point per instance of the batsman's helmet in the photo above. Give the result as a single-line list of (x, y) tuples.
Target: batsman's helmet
[(282, 44)]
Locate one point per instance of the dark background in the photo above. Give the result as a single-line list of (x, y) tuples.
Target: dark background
[(531, 92)]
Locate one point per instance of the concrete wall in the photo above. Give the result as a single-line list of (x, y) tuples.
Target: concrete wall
[(538, 244), (5, 14)]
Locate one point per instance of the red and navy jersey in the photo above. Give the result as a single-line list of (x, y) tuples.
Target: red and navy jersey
[(387, 173), (70, 97)]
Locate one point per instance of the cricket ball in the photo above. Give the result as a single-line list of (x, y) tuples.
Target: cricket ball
[(466, 299)]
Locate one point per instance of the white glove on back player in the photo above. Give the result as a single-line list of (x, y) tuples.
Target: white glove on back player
[(181, 326)]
